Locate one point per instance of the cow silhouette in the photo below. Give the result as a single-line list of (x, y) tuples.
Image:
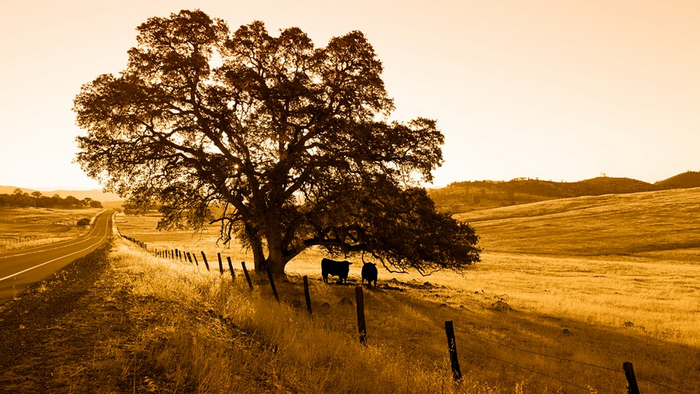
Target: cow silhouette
[(335, 268), (369, 273)]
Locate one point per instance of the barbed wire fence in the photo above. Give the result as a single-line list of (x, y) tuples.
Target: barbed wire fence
[(512, 370)]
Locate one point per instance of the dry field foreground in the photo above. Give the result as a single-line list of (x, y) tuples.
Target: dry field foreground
[(568, 291)]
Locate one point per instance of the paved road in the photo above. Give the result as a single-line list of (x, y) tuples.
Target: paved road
[(20, 268)]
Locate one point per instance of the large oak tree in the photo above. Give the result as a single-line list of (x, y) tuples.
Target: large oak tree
[(286, 145)]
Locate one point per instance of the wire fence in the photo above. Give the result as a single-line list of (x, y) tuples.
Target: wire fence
[(512, 370)]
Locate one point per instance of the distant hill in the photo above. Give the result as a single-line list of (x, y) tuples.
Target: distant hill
[(685, 180), (658, 223), (97, 195), (474, 195)]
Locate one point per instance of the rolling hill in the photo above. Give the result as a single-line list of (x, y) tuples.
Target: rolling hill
[(475, 195), (685, 180), (635, 224)]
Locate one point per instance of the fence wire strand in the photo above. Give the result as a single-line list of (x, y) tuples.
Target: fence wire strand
[(662, 385), (543, 354), (528, 369), (513, 377)]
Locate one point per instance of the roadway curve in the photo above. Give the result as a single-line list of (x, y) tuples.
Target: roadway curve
[(21, 268)]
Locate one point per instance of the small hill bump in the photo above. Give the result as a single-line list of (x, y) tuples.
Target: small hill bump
[(685, 180)]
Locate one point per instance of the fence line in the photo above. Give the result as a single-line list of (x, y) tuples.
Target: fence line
[(443, 351), (617, 371)]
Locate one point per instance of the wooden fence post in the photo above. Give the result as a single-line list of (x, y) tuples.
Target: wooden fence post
[(272, 283), (247, 276), (307, 295), (204, 256), (177, 254), (230, 266), (221, 264), (189, 257), (632, 387), (195, 259), (359, 297), (452, 346)]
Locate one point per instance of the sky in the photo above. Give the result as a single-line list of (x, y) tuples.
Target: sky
[(560, 90)]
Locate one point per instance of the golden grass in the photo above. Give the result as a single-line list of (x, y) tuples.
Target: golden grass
[(27, 227), (217, 337), (582, 279), (202, 327), (606, 260), (659, 224)]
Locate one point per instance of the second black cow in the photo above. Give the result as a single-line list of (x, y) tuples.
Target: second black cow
[(369, 273), (335, 268)]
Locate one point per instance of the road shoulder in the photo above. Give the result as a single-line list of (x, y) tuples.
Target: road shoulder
[(49, 332)]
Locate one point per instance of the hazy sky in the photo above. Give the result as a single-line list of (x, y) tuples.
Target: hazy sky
[(557, 89)]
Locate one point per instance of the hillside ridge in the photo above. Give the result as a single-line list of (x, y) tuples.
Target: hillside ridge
[(467, 196)]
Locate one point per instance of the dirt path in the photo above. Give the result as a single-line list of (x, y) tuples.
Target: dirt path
[(49, 333)]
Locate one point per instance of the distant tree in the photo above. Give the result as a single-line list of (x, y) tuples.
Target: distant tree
[(285, 145), (39, 199), (56, 201), (21, 199), (71, 202)]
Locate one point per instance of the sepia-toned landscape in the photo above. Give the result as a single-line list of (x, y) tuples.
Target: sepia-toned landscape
[(439, 197), (567, 291)]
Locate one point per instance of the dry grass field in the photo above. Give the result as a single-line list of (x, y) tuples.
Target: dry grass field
[(606, 260), (26, 227), (567, 291)]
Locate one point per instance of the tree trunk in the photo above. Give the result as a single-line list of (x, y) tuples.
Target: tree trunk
[(276, 257), (258, 254), (259, 258)]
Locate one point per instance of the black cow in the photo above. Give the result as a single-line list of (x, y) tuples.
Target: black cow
[(369, 273), (335, 268)]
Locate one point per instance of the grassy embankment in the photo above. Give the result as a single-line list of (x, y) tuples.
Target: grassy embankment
[(592, 280), (27, 227)]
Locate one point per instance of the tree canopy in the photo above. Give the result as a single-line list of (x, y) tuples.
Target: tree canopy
[(285, 144)]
